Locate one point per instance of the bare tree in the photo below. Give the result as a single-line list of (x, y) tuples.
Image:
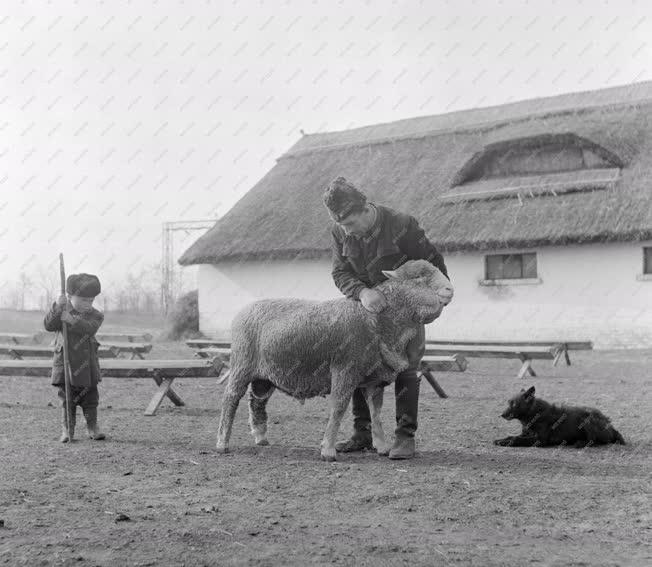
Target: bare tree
[(138, 291), (7, 295), (48, 283), (24, 283), (11, 295)]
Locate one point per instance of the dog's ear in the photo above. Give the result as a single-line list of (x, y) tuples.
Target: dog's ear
[(530, 392)]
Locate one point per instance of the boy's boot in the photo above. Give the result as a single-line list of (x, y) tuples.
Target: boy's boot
[(361, 438), (91, 423), (407, 408), (66, 435)]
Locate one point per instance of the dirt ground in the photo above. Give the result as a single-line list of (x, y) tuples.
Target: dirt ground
[(461, 501)]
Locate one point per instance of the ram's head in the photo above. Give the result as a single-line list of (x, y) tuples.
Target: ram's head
[(421, 288)]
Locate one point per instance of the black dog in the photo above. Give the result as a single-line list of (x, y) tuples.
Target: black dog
[(546, 424)]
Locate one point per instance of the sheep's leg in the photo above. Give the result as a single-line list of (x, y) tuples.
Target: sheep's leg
[(374, 397), (259, 395), (339, 403), (235, 389)]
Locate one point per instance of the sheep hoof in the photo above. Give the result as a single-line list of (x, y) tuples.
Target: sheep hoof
[(328, 455), (221, 450), (262, 442), (383, 451)]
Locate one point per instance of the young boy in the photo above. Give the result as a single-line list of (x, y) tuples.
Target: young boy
[(83, 321)]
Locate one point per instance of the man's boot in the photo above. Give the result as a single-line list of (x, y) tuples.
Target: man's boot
[(407, 408), (66, 435), (91, 424), (361, 438)]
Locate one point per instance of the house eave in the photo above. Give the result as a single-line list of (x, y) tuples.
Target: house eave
[(442, 246)]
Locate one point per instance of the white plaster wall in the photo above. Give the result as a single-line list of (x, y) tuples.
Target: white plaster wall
[(587, 291), (225, 288)]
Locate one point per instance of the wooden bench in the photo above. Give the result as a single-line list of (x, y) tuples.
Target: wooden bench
[(135, 349), (526, 354), (197, 344), (562, 346), (210, 352), (19, 338), (163, 372), (429, 363), (118, 348), (106, 350), (18, 352), (124, 337)]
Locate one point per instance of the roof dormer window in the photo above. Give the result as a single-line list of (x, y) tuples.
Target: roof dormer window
[(547, 164)]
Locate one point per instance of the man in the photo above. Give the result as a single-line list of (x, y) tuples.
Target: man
[(369, 238)]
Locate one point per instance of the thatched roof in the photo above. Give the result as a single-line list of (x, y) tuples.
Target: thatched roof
[(417, 166)]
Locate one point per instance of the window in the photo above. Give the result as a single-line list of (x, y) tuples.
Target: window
[(647, 259), (510, 266), (529, 161), (537, 155), (537, 166)]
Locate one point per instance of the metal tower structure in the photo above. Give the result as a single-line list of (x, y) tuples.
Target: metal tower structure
[(168, 284)]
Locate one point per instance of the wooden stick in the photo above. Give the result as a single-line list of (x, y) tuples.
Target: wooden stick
[(66, 360)]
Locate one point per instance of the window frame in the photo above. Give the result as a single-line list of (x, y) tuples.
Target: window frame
[(524, 279), (647, 261), (491, 152), (514, 161)]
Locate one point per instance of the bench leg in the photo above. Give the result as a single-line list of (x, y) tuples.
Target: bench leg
[(164, 389), (558, 355), (174, 397), (427, 374), (526, 367), (561, 352)]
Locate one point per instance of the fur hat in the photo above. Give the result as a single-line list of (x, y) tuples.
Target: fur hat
[(343, 198), (84, 285)]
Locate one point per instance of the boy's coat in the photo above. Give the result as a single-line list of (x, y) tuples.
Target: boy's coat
[(82, 346)]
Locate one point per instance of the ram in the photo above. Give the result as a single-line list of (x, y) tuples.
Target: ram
[(313, 348)]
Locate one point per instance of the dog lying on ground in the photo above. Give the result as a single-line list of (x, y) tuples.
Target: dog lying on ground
[(546, 425)]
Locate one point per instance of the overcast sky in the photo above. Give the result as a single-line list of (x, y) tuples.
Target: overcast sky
[(116, 116)]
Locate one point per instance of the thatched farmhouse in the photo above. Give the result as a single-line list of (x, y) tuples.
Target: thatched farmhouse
[(542, 209)]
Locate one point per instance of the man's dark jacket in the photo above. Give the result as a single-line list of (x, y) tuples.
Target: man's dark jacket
[(82, 346), (394, 239)]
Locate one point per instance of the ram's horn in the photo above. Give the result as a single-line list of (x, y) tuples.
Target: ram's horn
[(390, 274)]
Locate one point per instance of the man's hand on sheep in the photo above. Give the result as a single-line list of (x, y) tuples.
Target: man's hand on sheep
[(373, 300)]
